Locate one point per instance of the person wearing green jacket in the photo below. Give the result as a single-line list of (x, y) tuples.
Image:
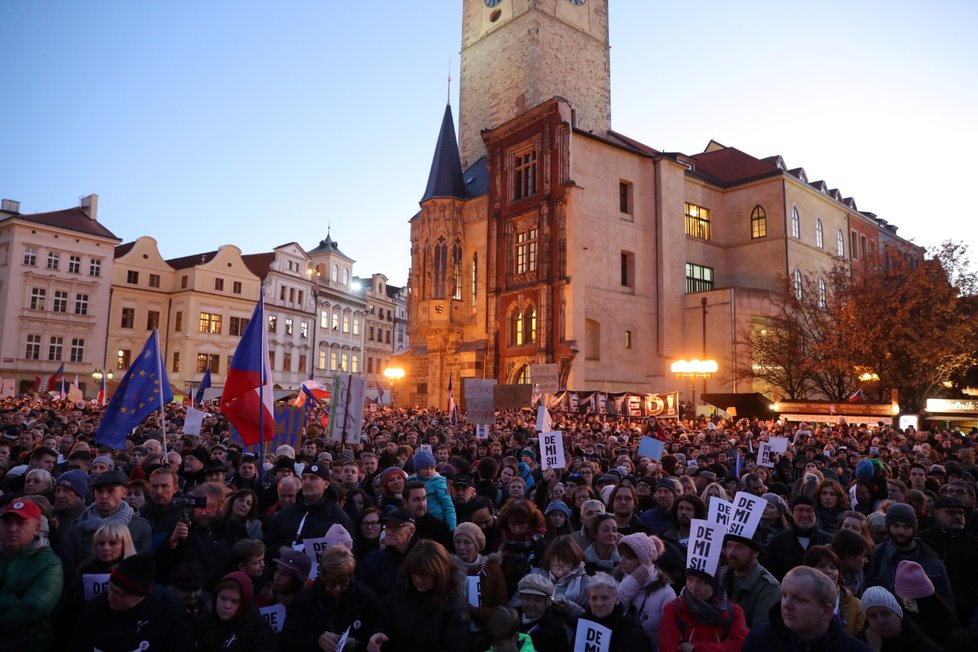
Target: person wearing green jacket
[(30, 580)]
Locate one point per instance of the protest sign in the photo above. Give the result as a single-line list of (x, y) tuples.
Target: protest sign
[(289, 423), (346, 408), (651, 448), (765, 455), (544, 422), (545, 377), (479, 401), (192, 421), (747, 512), (7, 388), (591, 637), (275, 615), (340, 644), (473, 590), (719, 511), (511, 397), (778, 444), (314, 549), (95, 584), (426, 447), (705, 545), (552, 450), (482, 431)]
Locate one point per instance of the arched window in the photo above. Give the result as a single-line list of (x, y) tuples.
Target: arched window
[(441, 268), (336, 273), (840, 244), (758, 223), (523, 376), (795, 223), (346, 276), (819, 233), (797, 284), (516, 328), (592, 340), (530, 319), (562, 323), (475, 280), (821, 293), (457, 271)]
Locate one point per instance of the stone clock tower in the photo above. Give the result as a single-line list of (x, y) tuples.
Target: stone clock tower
[(517, 54)]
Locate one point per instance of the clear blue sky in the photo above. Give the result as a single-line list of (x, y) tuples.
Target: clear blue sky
[(259, 123)]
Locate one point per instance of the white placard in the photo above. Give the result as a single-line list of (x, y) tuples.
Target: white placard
[(719, 511), (346, 408), (95, 584), (778, 444), (482, 431), (552, 450), (478, 401), (705, 545), (314, 549), (747, 512), (7, 388), (473, 590), (544, 422), (275, 615), (426, 447), (545, 378), (764, 454), (591, 637), (193, 420)]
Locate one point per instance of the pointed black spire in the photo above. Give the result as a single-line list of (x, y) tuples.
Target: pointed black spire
[(445, 178)]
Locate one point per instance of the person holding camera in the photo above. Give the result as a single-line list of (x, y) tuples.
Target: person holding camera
[(203, 534)]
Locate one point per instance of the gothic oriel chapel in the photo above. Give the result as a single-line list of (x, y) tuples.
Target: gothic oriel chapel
[(545, 236)]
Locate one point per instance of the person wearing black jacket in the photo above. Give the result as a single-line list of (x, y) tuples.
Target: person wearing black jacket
[(133, 614), (336, 601), (311, 516), (380, 569), (235, 624), (787, 548), (605, 609)]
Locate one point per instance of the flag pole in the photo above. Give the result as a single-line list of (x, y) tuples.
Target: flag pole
[(261, 393), (159, 374)]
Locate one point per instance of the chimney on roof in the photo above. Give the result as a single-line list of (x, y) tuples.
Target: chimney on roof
[(10, 206), (89, 204)]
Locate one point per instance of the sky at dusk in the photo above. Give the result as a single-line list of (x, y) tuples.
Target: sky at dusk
[(260, 123)]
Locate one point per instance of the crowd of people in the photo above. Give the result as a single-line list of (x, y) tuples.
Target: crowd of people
[(424, 535)]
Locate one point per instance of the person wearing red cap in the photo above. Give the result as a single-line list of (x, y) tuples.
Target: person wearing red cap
[(30, 580)]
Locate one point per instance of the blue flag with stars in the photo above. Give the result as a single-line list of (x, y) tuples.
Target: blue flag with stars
[(143, 390)]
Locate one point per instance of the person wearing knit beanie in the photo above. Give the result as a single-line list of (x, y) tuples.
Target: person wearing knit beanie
[(423, 459), (877, 596), (641, 589), (134, 575), (472, 532), (912, 582), (645, 548), (901, 513)]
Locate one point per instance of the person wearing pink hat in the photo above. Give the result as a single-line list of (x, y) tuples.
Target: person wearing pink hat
[(642, 589), (922, 604)]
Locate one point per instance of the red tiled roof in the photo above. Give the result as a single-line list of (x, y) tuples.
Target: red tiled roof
[(190, 261), (72, 219), (258, 263), (731, 166)]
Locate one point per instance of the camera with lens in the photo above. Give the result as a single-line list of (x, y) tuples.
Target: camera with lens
[(187, 503)]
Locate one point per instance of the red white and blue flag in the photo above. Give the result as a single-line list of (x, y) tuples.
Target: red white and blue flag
[(57, 378), (247, 400), (857, 396), (312, 392)]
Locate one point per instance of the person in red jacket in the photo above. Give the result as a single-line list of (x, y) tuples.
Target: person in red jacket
[(702, 618)]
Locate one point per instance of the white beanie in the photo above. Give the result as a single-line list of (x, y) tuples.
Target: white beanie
[(877, 596)]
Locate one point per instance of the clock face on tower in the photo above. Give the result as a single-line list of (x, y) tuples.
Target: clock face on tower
[(492, 3)]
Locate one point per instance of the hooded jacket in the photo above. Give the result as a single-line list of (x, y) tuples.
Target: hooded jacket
[(246, 631)]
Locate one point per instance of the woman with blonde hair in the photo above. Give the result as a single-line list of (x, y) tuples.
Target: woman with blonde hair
[(713, 490), (427, 609), (111, 543)]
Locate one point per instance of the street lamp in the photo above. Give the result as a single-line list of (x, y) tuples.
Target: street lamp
[(693, 369), (98, 374), (393, 374)]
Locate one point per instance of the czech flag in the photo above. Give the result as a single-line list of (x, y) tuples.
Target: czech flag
[(312, 391), (57, 378), (247, 400)]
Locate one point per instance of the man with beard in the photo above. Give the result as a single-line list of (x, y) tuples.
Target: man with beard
[(787, 548), (658, 519), (206, 536), (960, 552), (685, 510), (428, 526), (109, 507), (246, 476), (746, 582), (483, 516), (901, 524)]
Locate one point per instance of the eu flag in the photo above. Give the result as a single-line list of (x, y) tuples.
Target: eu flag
[(143, 389)]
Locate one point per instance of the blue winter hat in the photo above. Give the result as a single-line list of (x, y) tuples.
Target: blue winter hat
[(423, 459), (558, 506), (865, 471), (77, 481)]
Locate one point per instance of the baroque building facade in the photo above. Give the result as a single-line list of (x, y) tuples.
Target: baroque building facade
[(548, 237)]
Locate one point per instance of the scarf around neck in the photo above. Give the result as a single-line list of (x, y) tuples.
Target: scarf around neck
[(706, 613), (91, 520)]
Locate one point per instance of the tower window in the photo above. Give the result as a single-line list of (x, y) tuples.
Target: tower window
[(697, 221), (441, 268), (526, 251), (628, 270), (524, 174), (625, 197), (758, 223)]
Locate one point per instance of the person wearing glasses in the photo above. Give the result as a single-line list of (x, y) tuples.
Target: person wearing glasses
[(369, 528), (335, 602)]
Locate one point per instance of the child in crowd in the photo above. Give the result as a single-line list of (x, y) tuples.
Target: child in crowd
[(440, 504)]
